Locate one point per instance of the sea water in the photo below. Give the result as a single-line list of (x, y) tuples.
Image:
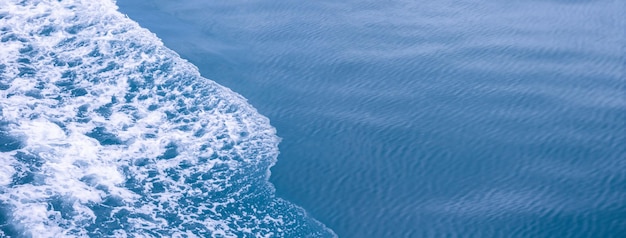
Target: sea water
[(105, 132), (444, 118), (398, 118)]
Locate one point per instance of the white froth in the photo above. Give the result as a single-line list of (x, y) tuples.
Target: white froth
[(115, 135), (6, 170), (40, 130), (34, 218)]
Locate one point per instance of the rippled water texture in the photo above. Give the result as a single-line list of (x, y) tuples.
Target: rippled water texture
[(427, 118)]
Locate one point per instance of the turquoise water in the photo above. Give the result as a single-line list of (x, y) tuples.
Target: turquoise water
[(398, 119)]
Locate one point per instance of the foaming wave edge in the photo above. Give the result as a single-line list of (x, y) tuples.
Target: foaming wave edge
[(106, 132)]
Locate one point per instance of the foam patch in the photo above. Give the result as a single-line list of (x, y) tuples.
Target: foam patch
[(106, 132)]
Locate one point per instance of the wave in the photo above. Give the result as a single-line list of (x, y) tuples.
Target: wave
[(106, 132)]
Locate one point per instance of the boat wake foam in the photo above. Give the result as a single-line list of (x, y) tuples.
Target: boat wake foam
[(106, 132)]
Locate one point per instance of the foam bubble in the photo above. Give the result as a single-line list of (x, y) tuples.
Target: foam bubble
[(108, 133)]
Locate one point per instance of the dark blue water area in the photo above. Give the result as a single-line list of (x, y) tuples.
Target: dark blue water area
[(427, 118)]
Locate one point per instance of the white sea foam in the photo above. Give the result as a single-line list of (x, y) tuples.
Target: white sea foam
[(109, 133)]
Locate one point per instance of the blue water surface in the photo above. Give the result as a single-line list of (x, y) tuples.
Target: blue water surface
[(427, 118), (106, 132)]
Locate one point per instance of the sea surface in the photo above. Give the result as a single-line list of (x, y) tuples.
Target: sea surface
[(105, 132), (321, 118)]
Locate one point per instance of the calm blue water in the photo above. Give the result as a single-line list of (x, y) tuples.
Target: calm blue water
[(427, 118), (398, 119)]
